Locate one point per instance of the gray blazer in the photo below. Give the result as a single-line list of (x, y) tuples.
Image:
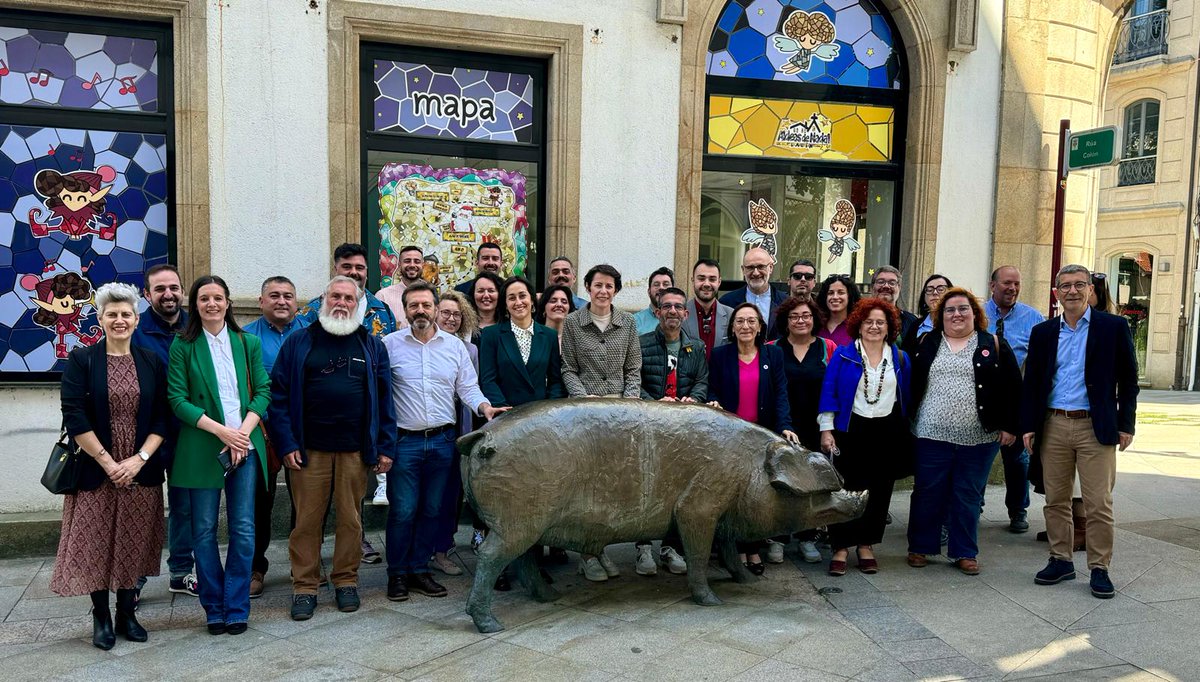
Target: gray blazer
[(595, 363), (691, 324)]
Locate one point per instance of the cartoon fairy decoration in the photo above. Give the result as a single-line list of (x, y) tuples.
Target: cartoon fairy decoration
[(77, 200), (764, 224), (808, 35), (840, 226), (60, 301)]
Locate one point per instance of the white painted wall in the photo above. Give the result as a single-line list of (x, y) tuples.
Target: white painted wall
[(970, 153), (29, 424)]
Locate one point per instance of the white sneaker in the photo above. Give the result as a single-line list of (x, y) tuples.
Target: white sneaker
[(645, 561), (671, 561), (592, 570), (380, 495), (774, 552), (609, 567), (809, 552)]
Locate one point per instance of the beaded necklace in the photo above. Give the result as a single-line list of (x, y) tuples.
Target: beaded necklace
[(866, 383)]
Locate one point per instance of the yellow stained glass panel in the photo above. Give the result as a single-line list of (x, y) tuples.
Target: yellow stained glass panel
[(800, 129)]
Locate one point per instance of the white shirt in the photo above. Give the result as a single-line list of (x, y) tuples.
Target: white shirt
[(761, 301), (226, 371), (427, 376), (887, 397)]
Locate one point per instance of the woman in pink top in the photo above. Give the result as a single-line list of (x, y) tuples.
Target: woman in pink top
[(837, 297), (747, 378)]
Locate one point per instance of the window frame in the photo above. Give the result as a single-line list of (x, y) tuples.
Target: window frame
[(1128, 159)]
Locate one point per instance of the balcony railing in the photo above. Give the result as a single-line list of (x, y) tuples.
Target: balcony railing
[(1137, 171), (1142, 36)]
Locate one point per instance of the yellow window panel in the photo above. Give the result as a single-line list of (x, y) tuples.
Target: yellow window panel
[(722, 129), (800, 129)]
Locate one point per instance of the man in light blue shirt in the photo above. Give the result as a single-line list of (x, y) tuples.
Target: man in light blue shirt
[(1068, 390), (562, 271), (647, 318), (1012, 321)]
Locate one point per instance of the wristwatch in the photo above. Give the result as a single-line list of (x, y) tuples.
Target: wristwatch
[(144, 455)]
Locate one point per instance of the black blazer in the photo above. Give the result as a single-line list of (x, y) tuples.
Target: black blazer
[(997, 379), (508, 382), (774, 411), (1110, 374), (738, 296), (85, 407)]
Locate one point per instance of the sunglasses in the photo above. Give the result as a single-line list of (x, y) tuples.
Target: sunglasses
[(802, 276)]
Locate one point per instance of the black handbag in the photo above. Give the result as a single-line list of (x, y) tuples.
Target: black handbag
[(62, 471)]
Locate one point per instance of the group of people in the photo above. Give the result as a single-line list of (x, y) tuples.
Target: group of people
[(359, 397)]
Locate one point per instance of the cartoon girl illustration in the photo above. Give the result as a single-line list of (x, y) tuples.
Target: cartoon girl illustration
[(764, 224), (808, 35), (60, 301), (840, 226), (77, 200)]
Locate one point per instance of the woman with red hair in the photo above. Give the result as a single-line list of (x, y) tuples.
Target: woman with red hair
[(865, 403)]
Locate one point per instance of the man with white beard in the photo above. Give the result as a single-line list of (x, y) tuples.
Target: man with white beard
[(332, 419)]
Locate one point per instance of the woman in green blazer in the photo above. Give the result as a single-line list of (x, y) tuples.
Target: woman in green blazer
[(218, 388)]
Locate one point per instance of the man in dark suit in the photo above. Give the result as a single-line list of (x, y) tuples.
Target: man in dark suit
[(708, 318), (1079, 407), (757, 265), (488, 257)]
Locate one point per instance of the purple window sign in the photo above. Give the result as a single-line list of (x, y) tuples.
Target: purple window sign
[(449, 101)]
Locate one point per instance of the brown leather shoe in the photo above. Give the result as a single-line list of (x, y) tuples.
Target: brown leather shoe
[(423, 583), (917, 560), (968, 566), (256, 584)]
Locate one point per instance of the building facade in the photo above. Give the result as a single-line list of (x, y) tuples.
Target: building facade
[(636, 132)]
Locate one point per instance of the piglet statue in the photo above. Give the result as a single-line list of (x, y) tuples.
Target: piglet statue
[(585, 473)]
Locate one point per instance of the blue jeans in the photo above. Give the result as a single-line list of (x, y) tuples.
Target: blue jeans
[(1016, 477), (416, 485), (225, 591), (948, 486), (179, 531)]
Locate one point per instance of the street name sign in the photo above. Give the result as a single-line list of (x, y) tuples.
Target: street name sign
[(1095, 147)]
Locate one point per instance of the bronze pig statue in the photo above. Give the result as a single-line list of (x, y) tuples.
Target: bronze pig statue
[(585, 473)]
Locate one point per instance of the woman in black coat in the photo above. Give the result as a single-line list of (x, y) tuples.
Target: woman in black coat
[(114, 405)]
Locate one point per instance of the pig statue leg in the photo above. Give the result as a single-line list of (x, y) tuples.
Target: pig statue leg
[(729, 554), (531, 578), (697, 537), (494, 555)]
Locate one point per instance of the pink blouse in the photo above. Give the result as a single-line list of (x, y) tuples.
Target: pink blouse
[(748, 390)]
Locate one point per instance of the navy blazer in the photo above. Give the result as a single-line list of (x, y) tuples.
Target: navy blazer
[(774, 411), (85, 407), (505, 380), (1110, 374), (738, 296)]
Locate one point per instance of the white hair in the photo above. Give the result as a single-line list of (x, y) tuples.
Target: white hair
[(117, 292), (358, 292)]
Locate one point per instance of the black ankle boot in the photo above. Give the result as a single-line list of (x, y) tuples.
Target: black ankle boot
[(127, 624), (102, 623)]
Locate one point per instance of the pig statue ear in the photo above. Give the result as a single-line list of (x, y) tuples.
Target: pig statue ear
[(798, 471)]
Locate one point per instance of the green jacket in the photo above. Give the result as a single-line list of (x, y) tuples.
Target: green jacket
[(192, 393)]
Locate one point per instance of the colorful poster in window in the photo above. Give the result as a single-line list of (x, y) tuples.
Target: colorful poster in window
[(448, 101), (831, 42), (78, 70), (799, 129), (449, 212), (78, 209)]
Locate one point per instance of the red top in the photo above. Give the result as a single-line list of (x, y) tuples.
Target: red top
[(706, 327), (748, 389)]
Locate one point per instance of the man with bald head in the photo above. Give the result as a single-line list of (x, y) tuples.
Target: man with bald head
[(757, 265), (1013, 321)]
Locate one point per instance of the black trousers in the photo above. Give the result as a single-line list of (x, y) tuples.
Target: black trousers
[(869, 451)]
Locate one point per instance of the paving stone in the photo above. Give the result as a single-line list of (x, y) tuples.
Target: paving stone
[(1124, 673), (175, 659), (1067, 653), (1168, 646), (284, 659), (834, 649), (30, 609), (1167, 581), (20, 633), (696, 660), (887, 623), (1121, 610), (639, 598), (19, 572), (397, 648), (953, 668), (766, 632), (548, 635), (494, 660), (772, 669), (692, 620), (907, 651), (56, 661)]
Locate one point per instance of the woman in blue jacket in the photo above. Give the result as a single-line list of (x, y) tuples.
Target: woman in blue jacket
[(747, 378), (864, 404)]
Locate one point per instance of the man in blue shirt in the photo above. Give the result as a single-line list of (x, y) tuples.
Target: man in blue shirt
[(277, 301), (1013, 321), (647, 318), (562, 271), (1079, 406), (156, 331)]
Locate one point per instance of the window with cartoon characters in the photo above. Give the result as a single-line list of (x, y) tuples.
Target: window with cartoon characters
[(805, 136), (85, 178), (452, 158)]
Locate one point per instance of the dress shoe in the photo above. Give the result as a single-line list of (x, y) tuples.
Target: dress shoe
[(917, 560), (235, 628), (1102, 587), (423, 583), (1055, 572), (103, 636), (256, 584), (126, 622), (755, 567), (396, 589), (968, 566), (216, 628)]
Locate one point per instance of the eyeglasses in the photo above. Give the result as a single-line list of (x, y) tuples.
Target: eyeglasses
[(803, 276), (1072, 286), (449, 315), (801, 317), (672, 306), (892, 283), (963, 310), (875, 323), (745, 322), (939, 289), (759, 268)]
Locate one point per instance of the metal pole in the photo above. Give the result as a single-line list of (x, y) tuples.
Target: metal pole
[(1060, 200)]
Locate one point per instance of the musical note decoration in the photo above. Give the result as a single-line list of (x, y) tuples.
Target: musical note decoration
[(127, 86), (3, 68), (88, 85), (41, 78)]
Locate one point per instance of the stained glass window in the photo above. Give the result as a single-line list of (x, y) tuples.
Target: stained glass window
[(832, 42), (751, 126)]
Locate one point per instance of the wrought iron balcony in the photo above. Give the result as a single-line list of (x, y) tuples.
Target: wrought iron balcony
[(1142, 36), (1137, 171)]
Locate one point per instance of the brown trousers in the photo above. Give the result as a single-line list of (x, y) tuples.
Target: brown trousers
[(1070, 445), (343, 474)]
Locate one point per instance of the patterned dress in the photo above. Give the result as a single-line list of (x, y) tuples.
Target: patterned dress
[(110, 536)]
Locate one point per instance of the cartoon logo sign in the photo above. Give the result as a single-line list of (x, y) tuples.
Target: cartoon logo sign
[(60, 301), (841, 225), (814, 132), (809, 36), (76, 201), (764, 225)]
